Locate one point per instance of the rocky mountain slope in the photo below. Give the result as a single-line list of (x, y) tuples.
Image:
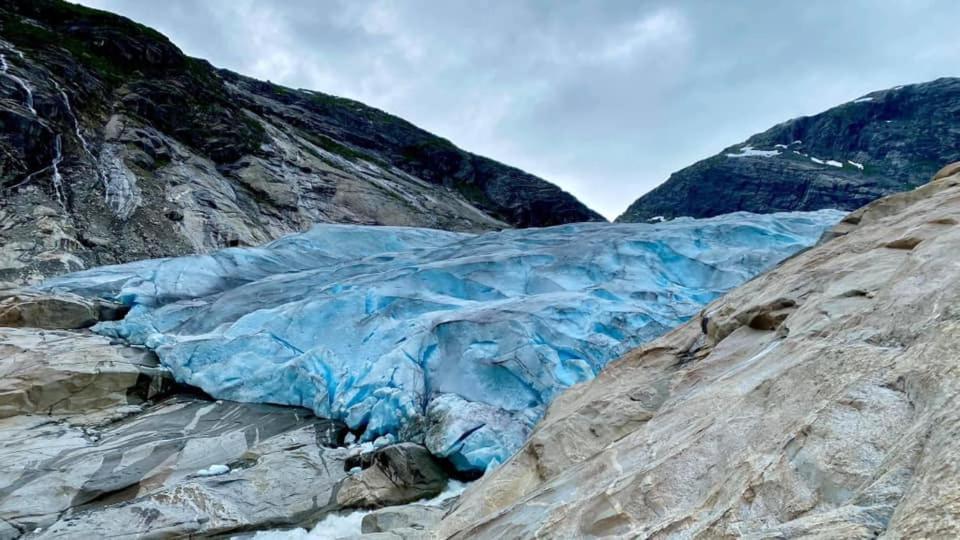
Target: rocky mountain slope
[(887, 141), (115, 146), (818, 400)]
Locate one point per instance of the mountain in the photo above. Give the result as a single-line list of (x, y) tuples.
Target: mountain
[(116, 146), (884, 142), (816, 401)]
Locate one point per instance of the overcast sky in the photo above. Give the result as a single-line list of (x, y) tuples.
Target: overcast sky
[(604, 98)]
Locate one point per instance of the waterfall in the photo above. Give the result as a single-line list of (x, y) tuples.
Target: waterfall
[(55, 166), (5, 69), (76, 123)]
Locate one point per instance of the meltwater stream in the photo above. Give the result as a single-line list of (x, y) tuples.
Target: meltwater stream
[(457, 340), (28, 92)]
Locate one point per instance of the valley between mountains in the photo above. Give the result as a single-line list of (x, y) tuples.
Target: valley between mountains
[(231, 309)]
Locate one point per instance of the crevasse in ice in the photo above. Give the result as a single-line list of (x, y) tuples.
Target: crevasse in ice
[(415, 333)]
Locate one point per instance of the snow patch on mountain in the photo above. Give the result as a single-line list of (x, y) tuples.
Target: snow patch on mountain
[(749, 151)]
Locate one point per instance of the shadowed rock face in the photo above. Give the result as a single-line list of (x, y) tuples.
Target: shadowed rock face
[(888, 141), (115, 146), (818, 400)]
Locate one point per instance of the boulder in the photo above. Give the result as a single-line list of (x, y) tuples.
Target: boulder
[(411, 516), (396, 474)]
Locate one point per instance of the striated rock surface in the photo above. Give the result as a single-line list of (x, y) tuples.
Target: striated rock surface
[(284, 478), (818, 400), (116, 146), (410, 518), (58, 372), (887, 141), (97, 439)]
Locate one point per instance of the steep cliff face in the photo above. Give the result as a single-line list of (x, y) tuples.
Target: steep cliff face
[(818, 400), (116, 146), (887, 141)]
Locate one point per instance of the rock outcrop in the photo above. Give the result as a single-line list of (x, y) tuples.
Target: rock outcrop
[(97, 439), (282, 479), (20, 307), (887, 141), (57, 372), (115, 146), (818, 400)]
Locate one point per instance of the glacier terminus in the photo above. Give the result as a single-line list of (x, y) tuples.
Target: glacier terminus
[(455, 340)]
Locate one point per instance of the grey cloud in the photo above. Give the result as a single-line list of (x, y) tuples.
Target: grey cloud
[(605, 98)]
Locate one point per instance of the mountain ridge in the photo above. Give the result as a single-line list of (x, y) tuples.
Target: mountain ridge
[(886, 141), (112, 136)]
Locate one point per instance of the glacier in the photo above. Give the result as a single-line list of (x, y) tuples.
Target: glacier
[(456, 340)]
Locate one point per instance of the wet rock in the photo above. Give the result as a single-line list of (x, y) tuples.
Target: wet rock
[(396, 474)]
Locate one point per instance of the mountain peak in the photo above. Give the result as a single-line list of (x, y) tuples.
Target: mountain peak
[(886, 141)]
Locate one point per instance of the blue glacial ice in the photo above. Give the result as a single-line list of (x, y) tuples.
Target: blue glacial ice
[(413, 334)]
